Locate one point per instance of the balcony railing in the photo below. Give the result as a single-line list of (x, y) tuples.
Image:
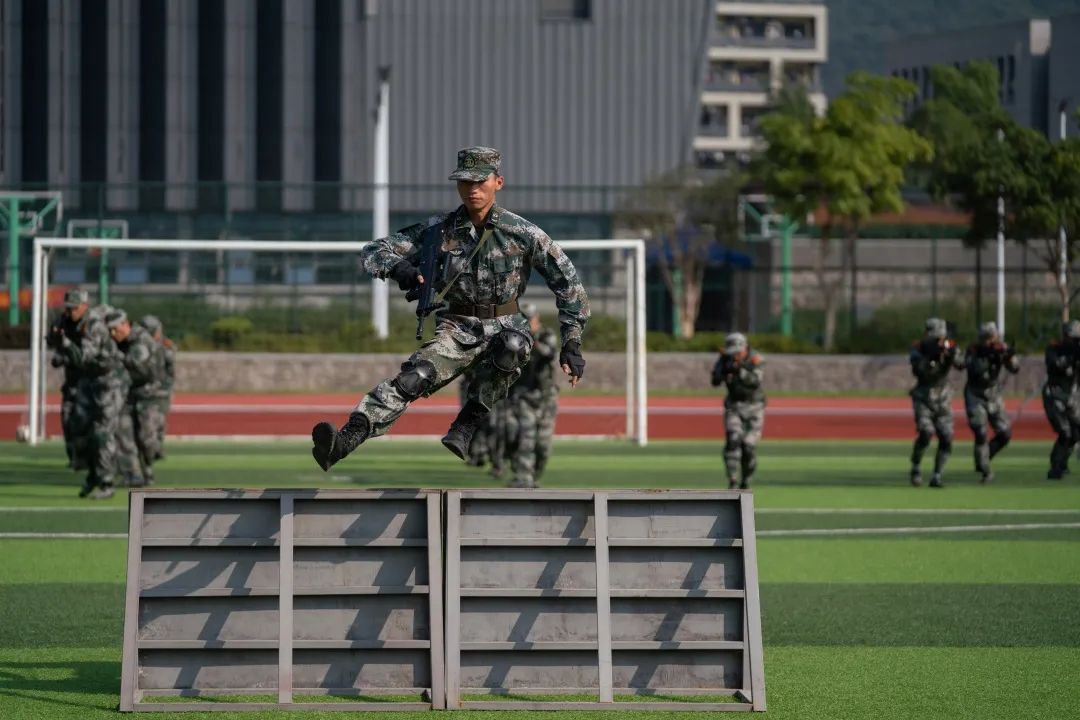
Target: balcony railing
[(722, 39), (722, 83)]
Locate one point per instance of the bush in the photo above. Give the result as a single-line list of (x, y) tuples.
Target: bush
[(226, 332)]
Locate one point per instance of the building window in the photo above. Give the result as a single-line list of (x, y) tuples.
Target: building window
[(1010, 90), (556, 10)]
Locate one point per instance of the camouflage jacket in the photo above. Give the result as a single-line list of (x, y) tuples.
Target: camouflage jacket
[(144, 361), (930, 364), (96, 355), (168, 367), (742, 379), (539, 377), (984, 364), (499, 272), (64, 335), (1061, 367)]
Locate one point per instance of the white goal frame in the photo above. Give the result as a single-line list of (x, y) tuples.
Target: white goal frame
[(637, 421)]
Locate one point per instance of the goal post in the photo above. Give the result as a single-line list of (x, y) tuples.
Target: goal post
[(623, 295)]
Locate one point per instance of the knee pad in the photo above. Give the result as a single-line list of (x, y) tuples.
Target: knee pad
[(415, 379), (510, 350), (980, 436)]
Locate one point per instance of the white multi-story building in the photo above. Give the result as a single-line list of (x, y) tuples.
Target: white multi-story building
[(754, 49)]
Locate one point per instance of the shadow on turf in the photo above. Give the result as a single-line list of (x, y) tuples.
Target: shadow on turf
[(24, 680), (942, 615)]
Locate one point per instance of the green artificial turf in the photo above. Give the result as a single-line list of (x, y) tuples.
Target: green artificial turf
[(902, 623)]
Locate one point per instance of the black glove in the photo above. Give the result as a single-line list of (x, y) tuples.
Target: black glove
[(406, 274), (57, 360), (571, 356)]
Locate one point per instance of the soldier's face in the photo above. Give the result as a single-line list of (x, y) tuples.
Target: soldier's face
[(479, 196), (120, 332), (534, 324), (77, 312)]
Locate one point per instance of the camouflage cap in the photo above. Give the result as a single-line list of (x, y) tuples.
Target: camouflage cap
[(115, 317), (735, 342), (75, 298), (529, 310), (151, 323), (936, 328), (988, 330), (1071, 329), (476, 164)]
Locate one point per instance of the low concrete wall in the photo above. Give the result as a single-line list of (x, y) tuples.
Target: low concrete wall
[(283, 372)]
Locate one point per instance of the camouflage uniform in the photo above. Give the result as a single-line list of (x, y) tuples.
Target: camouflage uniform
[(167, 379), (931, 360), (64, 335), (982, 395), (480, 450), (107, 383), (533, 404), (744, 407), (139, 423), (478, 328), (1059, 395)]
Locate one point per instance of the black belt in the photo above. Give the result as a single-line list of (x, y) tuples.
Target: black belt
[(485, 312)]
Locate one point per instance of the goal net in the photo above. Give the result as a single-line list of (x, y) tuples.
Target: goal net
[(314, 318)]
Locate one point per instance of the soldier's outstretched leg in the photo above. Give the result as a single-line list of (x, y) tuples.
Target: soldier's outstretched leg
[(545, 432), (128, 463), (753, 423), (110, 403), (982, 452), (524, 455), (999, 421), (733, 446)]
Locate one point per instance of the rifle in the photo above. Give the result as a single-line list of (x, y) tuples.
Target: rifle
[(430, 267)]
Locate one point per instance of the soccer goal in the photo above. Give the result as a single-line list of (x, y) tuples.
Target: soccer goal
[(311, 296)]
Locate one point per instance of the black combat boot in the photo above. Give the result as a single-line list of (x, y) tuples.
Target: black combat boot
[(460, 436), (332, 445)]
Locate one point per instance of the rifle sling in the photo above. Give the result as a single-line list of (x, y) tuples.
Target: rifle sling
[(468, 263)]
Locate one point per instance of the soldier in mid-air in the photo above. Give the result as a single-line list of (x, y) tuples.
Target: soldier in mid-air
[(485, 255), (141, 417), (64, 335), (1059, 396), (931, 360), (985, 408), (532, 406), (741, 370), (163, 399)]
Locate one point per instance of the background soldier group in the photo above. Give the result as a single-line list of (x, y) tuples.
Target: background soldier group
[(519, 430), (118, 379)]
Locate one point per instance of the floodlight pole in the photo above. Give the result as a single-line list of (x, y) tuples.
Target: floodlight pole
[(380, 290), (1063, 241), (1001, 251)]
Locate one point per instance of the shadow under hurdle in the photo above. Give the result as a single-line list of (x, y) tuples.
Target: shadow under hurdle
[(306, 599)]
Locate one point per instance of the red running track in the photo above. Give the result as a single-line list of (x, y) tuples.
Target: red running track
[(669, 417)]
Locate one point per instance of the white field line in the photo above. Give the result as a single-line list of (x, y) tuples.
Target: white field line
[(62, 536), (916, 530), (817, 532), (912, 511), (759, 511)]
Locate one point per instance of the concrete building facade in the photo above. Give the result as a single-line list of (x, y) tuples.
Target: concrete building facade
[(754, 49)]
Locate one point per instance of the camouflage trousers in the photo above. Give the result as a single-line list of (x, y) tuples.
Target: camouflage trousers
[(164, 404), (459, 344), (1063, 413), (743, 425), (530, 426), (76, 414), (109, 400), (138, 440), (984, 412), (932, 415)]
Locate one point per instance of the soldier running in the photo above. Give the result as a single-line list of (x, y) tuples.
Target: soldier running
[(931, 360), (742, 371), (985, 408), (163, 399), (64, 335), (1059, 396), (533, 404), (141, 416)]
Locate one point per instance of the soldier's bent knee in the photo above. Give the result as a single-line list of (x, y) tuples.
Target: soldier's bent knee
[(511, 350), (980, 435), (945, 444), (415, 379), (923, 438)]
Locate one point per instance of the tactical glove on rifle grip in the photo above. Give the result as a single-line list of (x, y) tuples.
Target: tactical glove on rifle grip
[(407, 275)]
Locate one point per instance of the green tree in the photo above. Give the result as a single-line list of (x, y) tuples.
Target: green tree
[(982, 154), (848, 164), (683, 215)]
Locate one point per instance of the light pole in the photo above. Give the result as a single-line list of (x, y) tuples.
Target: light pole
[(1063, 244), (1001, 250), (380, 290)]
